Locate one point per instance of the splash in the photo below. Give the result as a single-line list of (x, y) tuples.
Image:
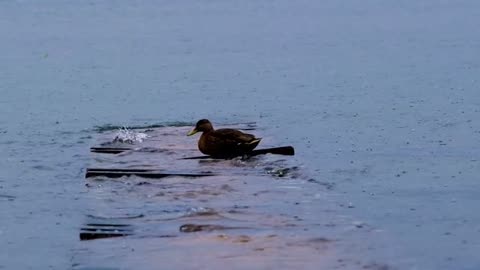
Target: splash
[(125, 135)]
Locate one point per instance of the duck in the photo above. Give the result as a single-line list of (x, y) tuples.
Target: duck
[(225, 142)]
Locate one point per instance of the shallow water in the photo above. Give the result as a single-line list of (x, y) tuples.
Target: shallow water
[(380, 99)]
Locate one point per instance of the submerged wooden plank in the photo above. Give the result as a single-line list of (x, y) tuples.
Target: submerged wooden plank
[(98, 231), (283, 150), (121, 170), (109, 150), (117, 173), (206, 227), (92, 236)]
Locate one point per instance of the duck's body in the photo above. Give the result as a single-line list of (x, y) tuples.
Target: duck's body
[(225, 142)]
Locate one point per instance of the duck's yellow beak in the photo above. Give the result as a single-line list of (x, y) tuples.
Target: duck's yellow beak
[(193, 131)]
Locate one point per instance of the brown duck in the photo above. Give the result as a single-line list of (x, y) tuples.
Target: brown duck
[(225, 142)]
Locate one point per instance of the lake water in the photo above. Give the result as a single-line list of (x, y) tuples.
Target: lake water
[(380, 99)]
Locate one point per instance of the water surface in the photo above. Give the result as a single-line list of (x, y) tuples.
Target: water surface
[(380, 99)]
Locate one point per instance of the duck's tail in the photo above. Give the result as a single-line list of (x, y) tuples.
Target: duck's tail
[(254, 141)]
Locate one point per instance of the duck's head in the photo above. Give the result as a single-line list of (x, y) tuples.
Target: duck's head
[(202, 126)]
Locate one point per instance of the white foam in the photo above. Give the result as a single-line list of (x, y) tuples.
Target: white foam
[(126, 135)]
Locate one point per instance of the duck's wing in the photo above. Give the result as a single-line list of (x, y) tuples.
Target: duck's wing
[(232, 136)]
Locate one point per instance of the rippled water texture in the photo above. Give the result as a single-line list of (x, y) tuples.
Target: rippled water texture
[(380, 99)]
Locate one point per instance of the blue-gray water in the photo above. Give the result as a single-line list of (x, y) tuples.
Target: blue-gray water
[(380, 98)]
